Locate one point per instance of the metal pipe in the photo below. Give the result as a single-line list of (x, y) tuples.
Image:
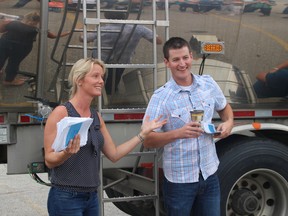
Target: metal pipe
[(42, 49)]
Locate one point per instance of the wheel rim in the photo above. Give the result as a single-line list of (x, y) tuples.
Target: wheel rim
[(260, 192)]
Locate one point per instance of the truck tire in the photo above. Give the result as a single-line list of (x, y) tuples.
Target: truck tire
[(253, 177)]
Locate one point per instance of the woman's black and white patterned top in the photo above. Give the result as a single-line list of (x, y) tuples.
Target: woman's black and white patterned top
[(81, 171)]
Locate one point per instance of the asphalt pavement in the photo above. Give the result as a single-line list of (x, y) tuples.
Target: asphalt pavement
[(20, 195)]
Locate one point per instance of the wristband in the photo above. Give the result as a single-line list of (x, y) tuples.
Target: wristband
[(141, 138)]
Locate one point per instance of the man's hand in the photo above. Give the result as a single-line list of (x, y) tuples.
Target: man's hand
[(225, 128), (190, 130)]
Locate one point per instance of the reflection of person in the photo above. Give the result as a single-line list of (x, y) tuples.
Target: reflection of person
[(16, 43), (75, 170), (190, 160), (123, 50), (22, 3), (273, 83)]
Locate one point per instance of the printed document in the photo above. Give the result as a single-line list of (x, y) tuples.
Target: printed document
[(68, 128), (209, 128)]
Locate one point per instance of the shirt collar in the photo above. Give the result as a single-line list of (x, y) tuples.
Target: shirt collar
[(175, 87)]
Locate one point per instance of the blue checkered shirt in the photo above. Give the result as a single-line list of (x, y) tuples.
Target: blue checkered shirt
[(184, 159)]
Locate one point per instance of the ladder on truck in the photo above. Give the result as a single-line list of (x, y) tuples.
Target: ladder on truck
[(93, 19)]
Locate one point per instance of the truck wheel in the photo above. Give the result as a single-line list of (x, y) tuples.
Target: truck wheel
[(253, 176)]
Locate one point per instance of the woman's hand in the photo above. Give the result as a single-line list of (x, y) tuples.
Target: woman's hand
[(149, 126), (73, 146)]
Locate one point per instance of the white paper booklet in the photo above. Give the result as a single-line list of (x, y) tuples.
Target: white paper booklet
[(209, 128), (67, 128)]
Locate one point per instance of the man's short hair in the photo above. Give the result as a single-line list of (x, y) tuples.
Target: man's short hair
[(174, 43)]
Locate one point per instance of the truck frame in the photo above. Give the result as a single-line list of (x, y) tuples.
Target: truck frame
[(253, 159)]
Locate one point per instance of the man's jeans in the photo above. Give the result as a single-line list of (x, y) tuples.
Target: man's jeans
[(201, 198), (67, 203)]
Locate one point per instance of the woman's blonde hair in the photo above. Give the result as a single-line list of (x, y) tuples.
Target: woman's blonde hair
[(79, 71), (32, 17)]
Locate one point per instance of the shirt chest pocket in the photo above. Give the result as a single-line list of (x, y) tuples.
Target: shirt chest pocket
[(208, 106), (180, 117)]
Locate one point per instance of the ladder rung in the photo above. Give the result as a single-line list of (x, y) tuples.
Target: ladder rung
[(122, 110), (95, 30), (130, 66), (97, 21), (130, 198), (79, 47), (136, 175)]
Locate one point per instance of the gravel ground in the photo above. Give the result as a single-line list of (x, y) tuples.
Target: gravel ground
[(20, 195)]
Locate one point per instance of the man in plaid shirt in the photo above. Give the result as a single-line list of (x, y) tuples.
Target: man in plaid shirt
[(190, 161)]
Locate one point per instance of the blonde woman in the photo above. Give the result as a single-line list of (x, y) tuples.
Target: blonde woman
[(75, 170)]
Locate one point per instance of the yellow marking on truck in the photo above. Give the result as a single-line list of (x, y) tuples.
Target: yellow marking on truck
[(277, 39)]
